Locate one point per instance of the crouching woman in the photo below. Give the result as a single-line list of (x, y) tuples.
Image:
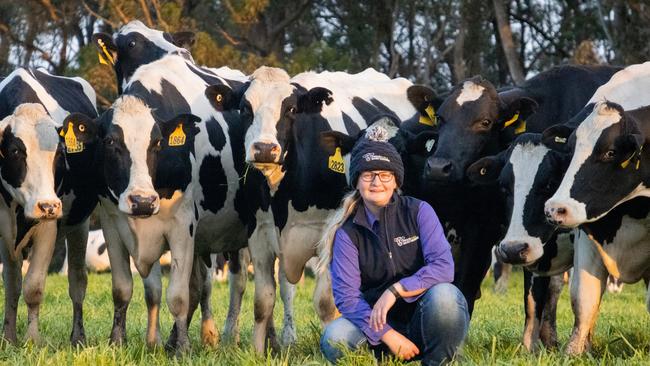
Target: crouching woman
[(391, 267)]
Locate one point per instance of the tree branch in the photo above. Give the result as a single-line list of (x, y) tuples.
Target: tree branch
[(146, 13), (287, 21), (96, 15)]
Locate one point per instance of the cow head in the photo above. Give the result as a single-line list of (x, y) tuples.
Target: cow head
[(471, 122), (608, 166), (528, 174), (270, 105), (133, 146), (28, 152), (135, 44)]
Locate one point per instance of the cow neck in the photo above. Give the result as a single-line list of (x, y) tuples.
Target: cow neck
[(274, 178)]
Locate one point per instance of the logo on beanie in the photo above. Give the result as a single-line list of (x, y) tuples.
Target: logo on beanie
[(401, 241), (373, 156)]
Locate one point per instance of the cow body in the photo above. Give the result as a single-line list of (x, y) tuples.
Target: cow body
[(303, 186), (61, 96)]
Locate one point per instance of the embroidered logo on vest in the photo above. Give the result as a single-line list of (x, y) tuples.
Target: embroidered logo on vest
[(401, 241)]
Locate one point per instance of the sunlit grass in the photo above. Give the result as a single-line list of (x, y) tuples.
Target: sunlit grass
[(622, 334)]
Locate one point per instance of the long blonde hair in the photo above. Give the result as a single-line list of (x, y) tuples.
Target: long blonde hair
[(334, 222)]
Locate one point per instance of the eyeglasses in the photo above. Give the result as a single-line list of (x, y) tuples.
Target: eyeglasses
[(384, 177)]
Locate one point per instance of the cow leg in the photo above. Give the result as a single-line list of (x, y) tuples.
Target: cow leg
[(323, 298), (181, 246), (122, 281), (77, 277), (152, 296), (59, 255), (264, 300), (237, 282), (548, 330), (34, 284), (587, 286), (12, 278), (533, 293), (209, 333), (501, 284), (287, 293)]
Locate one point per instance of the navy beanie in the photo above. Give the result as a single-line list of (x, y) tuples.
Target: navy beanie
[(374, 152)]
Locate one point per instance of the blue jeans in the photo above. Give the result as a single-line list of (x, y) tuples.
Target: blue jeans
[(437, 327)]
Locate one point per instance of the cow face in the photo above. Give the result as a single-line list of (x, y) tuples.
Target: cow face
[(528, 174), (131, 143), (470, 122), (135, 44), (270, 106), (28, 150), (607, 167)]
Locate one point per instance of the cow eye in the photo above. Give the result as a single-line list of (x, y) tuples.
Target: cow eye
[(291, 110), (82, 128), (132, 44), (609, 155), (109, 141), (484, 124)]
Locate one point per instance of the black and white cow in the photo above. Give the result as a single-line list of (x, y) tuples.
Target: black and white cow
[(305, 182), (59, 96), (135, 45), (530, 172)]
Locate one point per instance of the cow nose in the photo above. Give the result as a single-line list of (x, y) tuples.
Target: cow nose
[(48, 209), (513, 253), (556, 213), (265, 152), (142, 205), (437, 168)]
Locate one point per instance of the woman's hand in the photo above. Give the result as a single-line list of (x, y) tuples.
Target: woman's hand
[(401, 346), (380, 310)]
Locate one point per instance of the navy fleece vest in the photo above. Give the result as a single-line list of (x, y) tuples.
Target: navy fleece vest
[(393, 252)]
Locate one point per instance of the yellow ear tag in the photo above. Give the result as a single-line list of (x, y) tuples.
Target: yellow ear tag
[(430, 119), (107, 55), (511, 120), (336, 162), (177, 138), (521, 128), (72, 145), (627, 162)]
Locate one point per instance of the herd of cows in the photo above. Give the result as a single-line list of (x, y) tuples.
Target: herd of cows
[(199, 160)]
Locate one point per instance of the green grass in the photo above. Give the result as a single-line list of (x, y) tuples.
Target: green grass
[(622, 334)]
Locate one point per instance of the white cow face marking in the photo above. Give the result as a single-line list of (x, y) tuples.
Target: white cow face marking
[(470, 93), (28, 151)]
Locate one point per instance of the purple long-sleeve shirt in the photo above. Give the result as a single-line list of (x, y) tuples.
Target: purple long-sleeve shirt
[(346, 276)]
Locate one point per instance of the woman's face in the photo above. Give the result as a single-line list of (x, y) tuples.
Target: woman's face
[(376, 187)]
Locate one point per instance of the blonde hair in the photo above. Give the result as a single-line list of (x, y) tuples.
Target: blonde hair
[(334, 222)]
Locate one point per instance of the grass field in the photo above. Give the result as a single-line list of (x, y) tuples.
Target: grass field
[(622, 334)]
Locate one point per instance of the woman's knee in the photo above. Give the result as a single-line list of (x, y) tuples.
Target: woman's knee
[(340, 334), (445, 300)]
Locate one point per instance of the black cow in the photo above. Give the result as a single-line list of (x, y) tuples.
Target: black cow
[(59, 96)]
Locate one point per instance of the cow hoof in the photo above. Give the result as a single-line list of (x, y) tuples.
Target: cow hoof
[(34, 339), (77, 337), (574, 349), (289, 336), (154, 342), (209, 333), (501, 287), (230, 336), (117, 339)]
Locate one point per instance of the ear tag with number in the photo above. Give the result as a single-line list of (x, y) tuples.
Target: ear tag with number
[(336, 162), (72, 145), (177, 138)]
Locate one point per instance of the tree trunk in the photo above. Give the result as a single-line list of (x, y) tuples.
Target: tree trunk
[(509, 49)]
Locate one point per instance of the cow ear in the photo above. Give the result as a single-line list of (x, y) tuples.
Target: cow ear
[(515, 105), (627, 145), (421, 144), (78, 127), (106, 48), (486, 170), (176, 130), (312, 101), (426, 102), (331, 140), (183, 39), (557, 137)]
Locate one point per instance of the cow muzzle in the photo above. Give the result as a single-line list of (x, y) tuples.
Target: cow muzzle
[(563, 214), (513, 252), (47, 209), (266, 153), (143, 205), (438, 169)]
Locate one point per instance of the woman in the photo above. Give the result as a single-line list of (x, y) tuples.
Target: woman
[(391, 266)]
